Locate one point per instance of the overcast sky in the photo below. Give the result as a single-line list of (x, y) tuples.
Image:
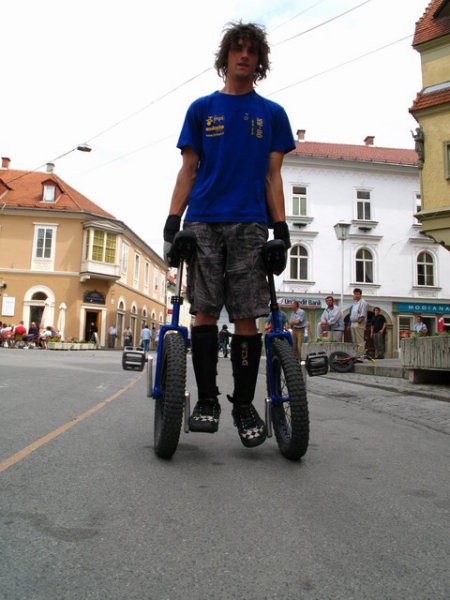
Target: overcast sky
[(120, 75)]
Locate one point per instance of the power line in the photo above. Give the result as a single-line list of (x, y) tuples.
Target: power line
[(323, 23), (347, 62), (297, 15)]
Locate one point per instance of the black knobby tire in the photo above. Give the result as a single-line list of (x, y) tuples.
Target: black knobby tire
[(290, 419), (169, 407), (341, 362)]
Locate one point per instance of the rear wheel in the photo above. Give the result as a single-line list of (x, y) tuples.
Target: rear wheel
[(169, 407), (290, 418), (341, 362)]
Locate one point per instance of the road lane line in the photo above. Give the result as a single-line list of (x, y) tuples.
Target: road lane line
[(18, 456)]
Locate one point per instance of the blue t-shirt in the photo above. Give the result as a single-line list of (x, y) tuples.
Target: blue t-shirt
[(233, 136)]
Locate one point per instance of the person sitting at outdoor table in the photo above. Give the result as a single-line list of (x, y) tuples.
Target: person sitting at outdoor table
[(6, 333), (48, 332), (20, 329), (33, 333)]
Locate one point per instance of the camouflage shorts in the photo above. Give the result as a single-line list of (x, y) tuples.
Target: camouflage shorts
[(227, 270)]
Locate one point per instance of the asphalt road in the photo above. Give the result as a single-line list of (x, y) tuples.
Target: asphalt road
[(87, 511)]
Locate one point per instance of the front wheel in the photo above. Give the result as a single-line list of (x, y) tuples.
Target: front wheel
[(341, 362), (169, 407), (290, 417)]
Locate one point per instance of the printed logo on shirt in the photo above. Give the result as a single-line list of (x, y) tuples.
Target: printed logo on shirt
[(214, 126), (256, 125)]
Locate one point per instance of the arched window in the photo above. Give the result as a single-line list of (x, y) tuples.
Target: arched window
[(299, 263), (364, 266), (425, 269)]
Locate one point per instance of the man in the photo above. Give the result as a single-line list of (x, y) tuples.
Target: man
[(146, 336), (232, 143), (377, 332), (224, 337), (298, 324), (358, 318), (112, 334), (332, 320), (420, 328)]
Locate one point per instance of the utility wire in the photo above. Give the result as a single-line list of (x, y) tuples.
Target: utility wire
[(322, 24), (347, 62), (295, 16)]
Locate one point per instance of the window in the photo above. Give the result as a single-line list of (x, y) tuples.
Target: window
[(44, 239), (299, 206), (125, 253), (299, 263), (146, 274), (49, 193), (155, 280), (363, 212), (447, 159), (364, 266), (104, 247), (418, 202), (137, 262), (425, 269)]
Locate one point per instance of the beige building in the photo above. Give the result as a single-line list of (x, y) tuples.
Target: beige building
[(431, 109), (66, 262)]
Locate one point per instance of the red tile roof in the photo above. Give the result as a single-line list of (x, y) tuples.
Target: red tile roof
[(432, 26), (26, 192), (431, 99), (372, 154)]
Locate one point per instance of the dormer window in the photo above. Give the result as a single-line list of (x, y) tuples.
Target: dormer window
[(49, 193)]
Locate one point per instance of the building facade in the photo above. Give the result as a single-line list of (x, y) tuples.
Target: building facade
[(375, 193), (431, 109), (66, 262)]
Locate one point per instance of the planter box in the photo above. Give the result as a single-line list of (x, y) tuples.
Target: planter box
[(431, 353), (328, 348), (70, 346)]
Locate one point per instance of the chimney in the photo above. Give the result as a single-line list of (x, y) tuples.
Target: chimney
[(5, 162), (369, 140), (301, 135), (50, 167)]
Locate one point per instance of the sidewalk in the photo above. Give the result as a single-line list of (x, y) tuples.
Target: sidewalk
[(388, 374)]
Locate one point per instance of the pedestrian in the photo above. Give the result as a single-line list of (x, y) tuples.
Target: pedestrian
[(224, 337), (268, 327), (127, 336), (146, 336), (420, 328), (332, 321), (441, 324), (298, 324), (358, 318), (232, 142), (112, 334), (153, 337), (378, 331), (93, 334)]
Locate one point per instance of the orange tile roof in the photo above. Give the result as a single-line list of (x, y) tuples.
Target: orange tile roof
[(431, 26), (372, 154), (431, 99), (26, 192)]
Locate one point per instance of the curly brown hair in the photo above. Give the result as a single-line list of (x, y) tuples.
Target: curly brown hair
[(233, 32)]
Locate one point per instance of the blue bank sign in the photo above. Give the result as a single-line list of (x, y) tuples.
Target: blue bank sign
[(440, 309)]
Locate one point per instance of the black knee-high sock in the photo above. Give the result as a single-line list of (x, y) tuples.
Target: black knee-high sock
[(245, 357), (204, 339)]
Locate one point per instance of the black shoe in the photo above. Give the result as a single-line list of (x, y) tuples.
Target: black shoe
[(205, 416), (251, 428)]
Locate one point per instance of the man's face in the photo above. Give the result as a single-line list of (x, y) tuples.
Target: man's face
[(242, 60), (329, 302), (357, 296)]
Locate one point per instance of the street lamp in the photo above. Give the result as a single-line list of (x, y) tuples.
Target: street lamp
[(342, 229)]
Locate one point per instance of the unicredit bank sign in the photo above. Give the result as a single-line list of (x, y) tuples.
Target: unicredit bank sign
[(304, 302)]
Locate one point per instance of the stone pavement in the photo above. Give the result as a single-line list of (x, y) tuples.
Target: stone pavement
[(388, 374)]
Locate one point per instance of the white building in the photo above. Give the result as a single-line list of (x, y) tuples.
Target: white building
[(376, 191)]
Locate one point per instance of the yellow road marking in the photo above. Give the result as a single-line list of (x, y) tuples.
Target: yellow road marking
[(18, 456)]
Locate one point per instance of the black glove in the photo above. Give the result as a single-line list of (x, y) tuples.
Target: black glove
[(281, 232), (171, 228)]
